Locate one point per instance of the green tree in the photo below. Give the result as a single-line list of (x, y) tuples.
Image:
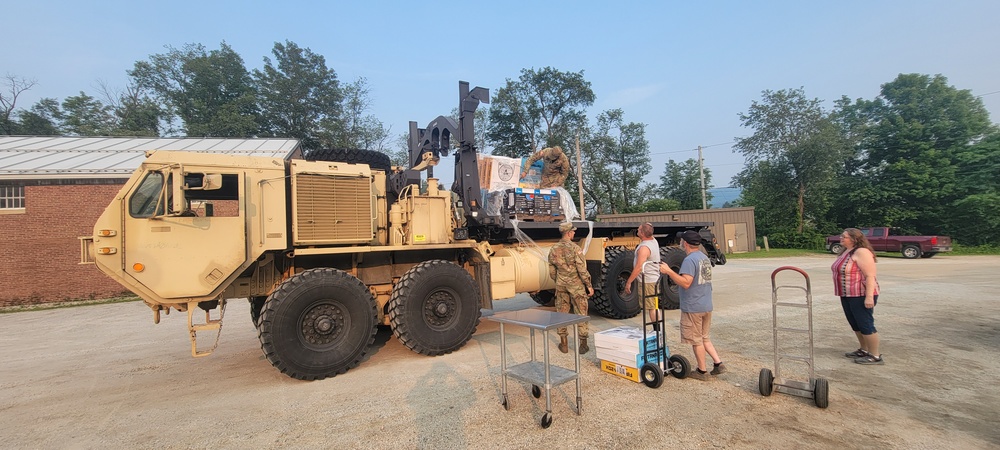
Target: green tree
[(616, 159), (770, 189), (211, 92), (682, 182), (657, 205), (917, 143), (300, 97), (794, 134), (543, 108), (83, 115), (135, 112), (361, 130), (43, 119)]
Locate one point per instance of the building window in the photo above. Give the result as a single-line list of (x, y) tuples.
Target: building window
[(11, 197)]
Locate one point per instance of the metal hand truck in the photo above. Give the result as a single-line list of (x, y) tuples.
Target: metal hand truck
[(658, 358), (816, 388)]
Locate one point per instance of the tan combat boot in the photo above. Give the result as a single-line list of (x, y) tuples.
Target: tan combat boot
[(563, 345), (583, 346)]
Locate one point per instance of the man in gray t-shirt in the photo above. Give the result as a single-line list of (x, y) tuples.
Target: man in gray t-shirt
[(695, 283)]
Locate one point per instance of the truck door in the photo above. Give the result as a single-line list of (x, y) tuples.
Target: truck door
[(184, 231), (878, 240)]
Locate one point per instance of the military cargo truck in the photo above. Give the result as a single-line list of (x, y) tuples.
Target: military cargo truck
[(330, 247)]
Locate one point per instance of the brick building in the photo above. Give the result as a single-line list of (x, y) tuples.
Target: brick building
[(52, 189)]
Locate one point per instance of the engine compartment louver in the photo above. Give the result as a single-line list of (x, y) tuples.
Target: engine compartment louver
[(332, 209)]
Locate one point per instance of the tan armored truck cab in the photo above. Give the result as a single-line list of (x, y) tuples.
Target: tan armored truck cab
[(326, 249)]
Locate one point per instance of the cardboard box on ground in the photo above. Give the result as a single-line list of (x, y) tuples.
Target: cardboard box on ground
[(622, 351)]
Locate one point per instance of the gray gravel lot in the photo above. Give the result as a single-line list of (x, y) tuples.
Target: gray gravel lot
[(106, 376)]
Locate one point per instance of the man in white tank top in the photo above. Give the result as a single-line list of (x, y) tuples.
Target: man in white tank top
[(646, 263)]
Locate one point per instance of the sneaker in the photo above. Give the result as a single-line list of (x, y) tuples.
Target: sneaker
[(698, 375), (870, 359), (719, 369), (859, 353)]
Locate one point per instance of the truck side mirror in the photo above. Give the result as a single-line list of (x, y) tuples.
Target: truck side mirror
[(202, 182)]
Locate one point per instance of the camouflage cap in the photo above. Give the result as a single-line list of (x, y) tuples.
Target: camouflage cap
[(566, 226)]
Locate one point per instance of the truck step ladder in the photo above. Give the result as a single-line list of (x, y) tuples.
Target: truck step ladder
[(210, 324)]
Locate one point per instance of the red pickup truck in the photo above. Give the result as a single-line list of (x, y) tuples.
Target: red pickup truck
[(911, 246)]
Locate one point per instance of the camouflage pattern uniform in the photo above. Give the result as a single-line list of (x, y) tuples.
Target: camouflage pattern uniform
[(555, 168), (569, 269)]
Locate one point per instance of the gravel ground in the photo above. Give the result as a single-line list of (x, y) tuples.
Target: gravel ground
[(106, 376)]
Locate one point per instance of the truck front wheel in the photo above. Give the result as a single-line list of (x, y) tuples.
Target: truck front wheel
[(317, 324), (610, 299), (434, 309), (836, 249), (911, 252), (256, 305)]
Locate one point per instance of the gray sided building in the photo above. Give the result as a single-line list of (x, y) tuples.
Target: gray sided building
[(734, 228)]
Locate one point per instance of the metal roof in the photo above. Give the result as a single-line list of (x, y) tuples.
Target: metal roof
[(103, 157)]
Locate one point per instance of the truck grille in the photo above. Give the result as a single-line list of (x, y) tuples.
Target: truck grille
[(332, 210)]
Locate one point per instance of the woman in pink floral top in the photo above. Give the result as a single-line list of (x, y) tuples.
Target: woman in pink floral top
[(854, 281)]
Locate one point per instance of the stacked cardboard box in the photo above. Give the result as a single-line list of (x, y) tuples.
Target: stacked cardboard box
[(538, 205), (622, 352)]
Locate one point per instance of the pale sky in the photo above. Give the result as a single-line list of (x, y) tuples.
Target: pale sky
[(685, 69)]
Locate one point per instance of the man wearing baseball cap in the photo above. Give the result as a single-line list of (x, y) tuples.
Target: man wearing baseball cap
[(568, 268), (695, 283)]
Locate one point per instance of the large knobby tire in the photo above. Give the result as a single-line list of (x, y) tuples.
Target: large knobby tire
[(544, 298), (670, 295), (375, 160), (836, 249), (434, 309), (256, 305), (610, 299), (317, 324), (911, 252)]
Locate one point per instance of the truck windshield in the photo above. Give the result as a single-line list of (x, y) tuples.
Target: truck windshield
[(145, 201)]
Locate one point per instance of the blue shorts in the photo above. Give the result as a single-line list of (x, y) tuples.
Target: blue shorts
[(858, 316)]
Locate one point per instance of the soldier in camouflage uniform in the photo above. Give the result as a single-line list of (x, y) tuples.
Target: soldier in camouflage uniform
[(554, 171), (568, 268)]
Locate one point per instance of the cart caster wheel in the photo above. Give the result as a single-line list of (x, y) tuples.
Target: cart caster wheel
[(536, 391), (547, 420), (821, 392), (766, 382), (506, 405), (651, 375), (679, 366)]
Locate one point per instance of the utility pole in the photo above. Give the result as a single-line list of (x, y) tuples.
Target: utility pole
[(701, 172), (579, 177)]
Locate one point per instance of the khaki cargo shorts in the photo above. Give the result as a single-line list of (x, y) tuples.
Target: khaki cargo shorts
[(695, 327), (650, 300)]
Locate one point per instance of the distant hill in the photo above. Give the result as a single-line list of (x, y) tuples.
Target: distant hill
[(722, 195)]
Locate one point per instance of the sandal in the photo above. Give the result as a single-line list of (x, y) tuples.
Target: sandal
[(870, 360), (859, 353)]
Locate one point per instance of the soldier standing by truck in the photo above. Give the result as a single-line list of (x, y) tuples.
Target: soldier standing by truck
[(556, 167), (573, 288)]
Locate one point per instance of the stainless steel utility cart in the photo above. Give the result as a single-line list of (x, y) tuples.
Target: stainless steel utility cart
[(540, 374)]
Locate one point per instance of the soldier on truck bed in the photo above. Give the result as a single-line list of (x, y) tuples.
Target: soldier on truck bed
[(556, 167)]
